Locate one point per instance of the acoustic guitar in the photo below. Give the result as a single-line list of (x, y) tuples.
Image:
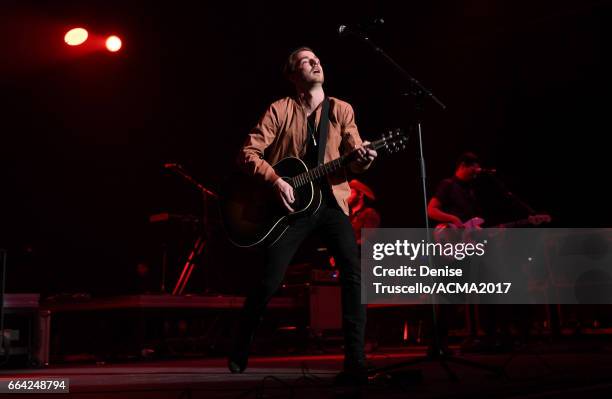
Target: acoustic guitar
[(252, 214)]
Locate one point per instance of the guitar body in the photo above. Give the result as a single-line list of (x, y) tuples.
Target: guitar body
[(447, 232), (252, 214)]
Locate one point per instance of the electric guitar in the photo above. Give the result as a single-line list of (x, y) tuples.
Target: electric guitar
[(252, 214), (444, 231)]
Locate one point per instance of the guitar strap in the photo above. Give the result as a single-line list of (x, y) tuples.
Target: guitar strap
[(323, 129)]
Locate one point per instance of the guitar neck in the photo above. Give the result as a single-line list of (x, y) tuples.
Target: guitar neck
[(537, 219), (518, 223), (331, 166)]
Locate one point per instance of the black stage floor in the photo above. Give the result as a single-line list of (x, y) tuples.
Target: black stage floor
[(562, 370)]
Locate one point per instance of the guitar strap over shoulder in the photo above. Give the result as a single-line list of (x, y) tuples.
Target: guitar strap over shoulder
[(323, 130)]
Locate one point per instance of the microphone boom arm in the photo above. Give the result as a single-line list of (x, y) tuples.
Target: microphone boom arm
[(418, 88), (178, 169)]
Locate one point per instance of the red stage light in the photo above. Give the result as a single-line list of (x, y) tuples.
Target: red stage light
[(75, 36), (113, 43)]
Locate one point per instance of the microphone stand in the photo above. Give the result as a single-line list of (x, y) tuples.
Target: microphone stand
[(201, 241), (520, 203), (421, 94)]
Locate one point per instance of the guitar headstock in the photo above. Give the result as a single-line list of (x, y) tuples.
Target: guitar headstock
[(393, 140)]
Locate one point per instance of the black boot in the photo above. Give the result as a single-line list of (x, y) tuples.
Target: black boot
[(238, 361), (239, 356)]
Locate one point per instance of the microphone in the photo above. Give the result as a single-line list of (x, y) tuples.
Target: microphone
[(343, 30), (358, 28), (486, 171), (173, 166)]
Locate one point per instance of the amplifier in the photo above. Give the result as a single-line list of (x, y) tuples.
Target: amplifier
[(324, 276), (20, 329)]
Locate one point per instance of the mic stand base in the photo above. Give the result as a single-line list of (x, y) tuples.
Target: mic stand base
[(443, 359)]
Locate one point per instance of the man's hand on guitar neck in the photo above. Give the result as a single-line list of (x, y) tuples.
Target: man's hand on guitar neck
[(364, 157), (284, 191)]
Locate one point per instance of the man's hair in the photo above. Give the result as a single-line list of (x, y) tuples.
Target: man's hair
[(289, 66), (468, 159)]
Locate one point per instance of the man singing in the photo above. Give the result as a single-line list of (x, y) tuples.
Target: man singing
[(291, 127)]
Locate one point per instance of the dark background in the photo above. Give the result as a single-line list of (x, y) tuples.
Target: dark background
[(84, 133)]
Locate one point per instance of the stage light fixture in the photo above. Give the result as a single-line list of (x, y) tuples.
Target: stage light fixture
[(76, 36), (113, 43)]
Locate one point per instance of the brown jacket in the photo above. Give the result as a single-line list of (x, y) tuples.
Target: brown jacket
[(282, 132)]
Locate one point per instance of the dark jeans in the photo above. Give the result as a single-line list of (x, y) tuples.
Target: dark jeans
[(334, 227)]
